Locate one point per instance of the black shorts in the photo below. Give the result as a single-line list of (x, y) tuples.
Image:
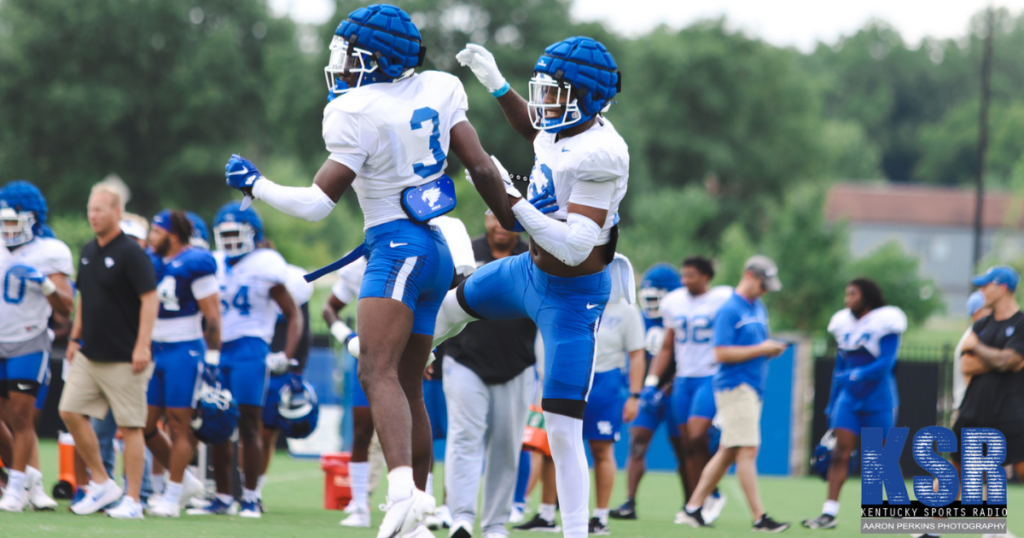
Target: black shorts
[(1013, 431)]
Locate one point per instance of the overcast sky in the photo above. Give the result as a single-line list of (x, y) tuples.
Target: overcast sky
[(799, 23)]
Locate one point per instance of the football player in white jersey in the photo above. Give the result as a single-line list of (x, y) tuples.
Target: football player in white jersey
[(689, 318), (36, 282), (388, 131), (863, 393), (253, 291)]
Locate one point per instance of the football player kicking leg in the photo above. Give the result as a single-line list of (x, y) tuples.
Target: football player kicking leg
[(189, 295), (410, 269), (38, 272)]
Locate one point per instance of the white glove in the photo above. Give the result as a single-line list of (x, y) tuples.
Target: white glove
[(481, 62), (340, 331), (277, 363), (212, 357)]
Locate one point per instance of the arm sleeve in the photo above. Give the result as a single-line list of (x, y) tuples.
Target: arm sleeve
[(839, 367), (139, 271), (725, 328), (570, 242), (888, 348), (204, 287), (634, 333), (348, 138), (308, 203)]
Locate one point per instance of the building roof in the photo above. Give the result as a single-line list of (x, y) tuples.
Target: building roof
[(926, 205)]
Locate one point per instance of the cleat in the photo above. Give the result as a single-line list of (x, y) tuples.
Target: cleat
[(767, 524), (626, 511), (98, 498), (538, 524), (596, 527), (251, 510), (824, 521), (402, 516), (216, 507), (164, 508), (694, 519), (128, 508), (359, 516), (461, 529), (713, 506)]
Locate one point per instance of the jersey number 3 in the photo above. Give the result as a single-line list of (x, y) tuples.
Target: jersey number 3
[(418, 117)]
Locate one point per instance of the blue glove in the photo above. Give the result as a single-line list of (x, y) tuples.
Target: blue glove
[(544, 204), (651, 397), (26, 272), (241, 173)]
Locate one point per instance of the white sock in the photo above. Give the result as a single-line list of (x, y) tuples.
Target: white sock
[(360, 474), (259, 485), (158, 483), (249, 495), (547, 512), (430, 484), (173, 492), (400, 484), (16, 480), (601, 514), (565, 436), (225, 498), (831, 508)]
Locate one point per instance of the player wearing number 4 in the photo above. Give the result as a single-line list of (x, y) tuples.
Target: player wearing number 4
[(189, 295), (252, 280), (388, 131), (36, 282)]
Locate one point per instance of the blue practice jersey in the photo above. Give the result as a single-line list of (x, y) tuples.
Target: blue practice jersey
[(868, 347), (181, 282)]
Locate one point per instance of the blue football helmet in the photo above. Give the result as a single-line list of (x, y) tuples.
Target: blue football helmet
[(22, 213), (200, 233), (216, 413), (380, 43), (298, 410), (572, 82), (237, 232), (822, 458), (657, 281)]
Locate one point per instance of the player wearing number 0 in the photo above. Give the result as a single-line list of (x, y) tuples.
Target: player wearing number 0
[(189, 295), (252, 286), (389, 129), (36, 282), (689, 317)]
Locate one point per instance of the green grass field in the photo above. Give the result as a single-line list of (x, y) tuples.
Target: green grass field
[(294, 497)]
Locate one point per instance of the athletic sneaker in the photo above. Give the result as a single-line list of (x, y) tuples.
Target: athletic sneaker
[(432, 522), (824, 521), (419, 531), (444, 515), (154, 500), (402, 516), (596, 527), (128, 508), (14, 501), (98, 497), (461, 529), (251, 510), (358, 516), (78, 496), (518, 513), (626, 511), (164, 508), (767, 524), (538, 524), (191, 488), (215, 507), (694, 519), (37, 497)]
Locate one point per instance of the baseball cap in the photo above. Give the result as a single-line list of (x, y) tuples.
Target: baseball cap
[(1000, 274), (133, 229), (764, 268), (975, 302)]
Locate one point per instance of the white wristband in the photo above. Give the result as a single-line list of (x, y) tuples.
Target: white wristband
[(48, 287), (651, 381), (212, 357), (340, 331)]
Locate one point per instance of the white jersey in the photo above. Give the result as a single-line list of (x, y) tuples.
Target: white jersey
[(394, 136), (300, 290), (621, 331), (867, 332), (350, 279), (597, 154), (24, 310), (692, 320), (246, 306)]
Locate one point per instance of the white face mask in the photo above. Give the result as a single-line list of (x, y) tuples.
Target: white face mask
[(16, 227), (235, 238)]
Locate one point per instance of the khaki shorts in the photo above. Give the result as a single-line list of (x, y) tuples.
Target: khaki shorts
[(740, 411), (92, 388)]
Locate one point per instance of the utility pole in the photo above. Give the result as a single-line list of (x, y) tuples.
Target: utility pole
[(986, 94)]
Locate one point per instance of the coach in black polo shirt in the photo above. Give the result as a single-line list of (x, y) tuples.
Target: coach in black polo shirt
[(993, 355), (488, 385), (109, 351)]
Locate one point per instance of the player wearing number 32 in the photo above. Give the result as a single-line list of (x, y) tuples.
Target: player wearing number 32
[(389, 129), (35, 283), (189, 294)]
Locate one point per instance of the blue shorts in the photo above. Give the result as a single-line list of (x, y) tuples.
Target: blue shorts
[(649, 417), (602, 420), (410, 263), (274, 385), (177, 374), (566, 311), (243, 369), (44, 391), (437, 408), (16, 372), (845, 417), (359, 398), (693, 397)]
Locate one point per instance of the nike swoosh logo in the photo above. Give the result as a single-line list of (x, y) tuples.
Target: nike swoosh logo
[(244, 170), (393, 244), (591, 306), (565, 150), (22, 386)]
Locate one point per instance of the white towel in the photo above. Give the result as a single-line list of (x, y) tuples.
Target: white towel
[(623, 280), (459, 243)]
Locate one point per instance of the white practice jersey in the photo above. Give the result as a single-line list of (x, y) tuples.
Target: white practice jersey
[(621, 332), (394, 136), (300, 290), (24, 310), (246, 306), (867, 332), (597, 154), (692, 320), (350, 279)]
